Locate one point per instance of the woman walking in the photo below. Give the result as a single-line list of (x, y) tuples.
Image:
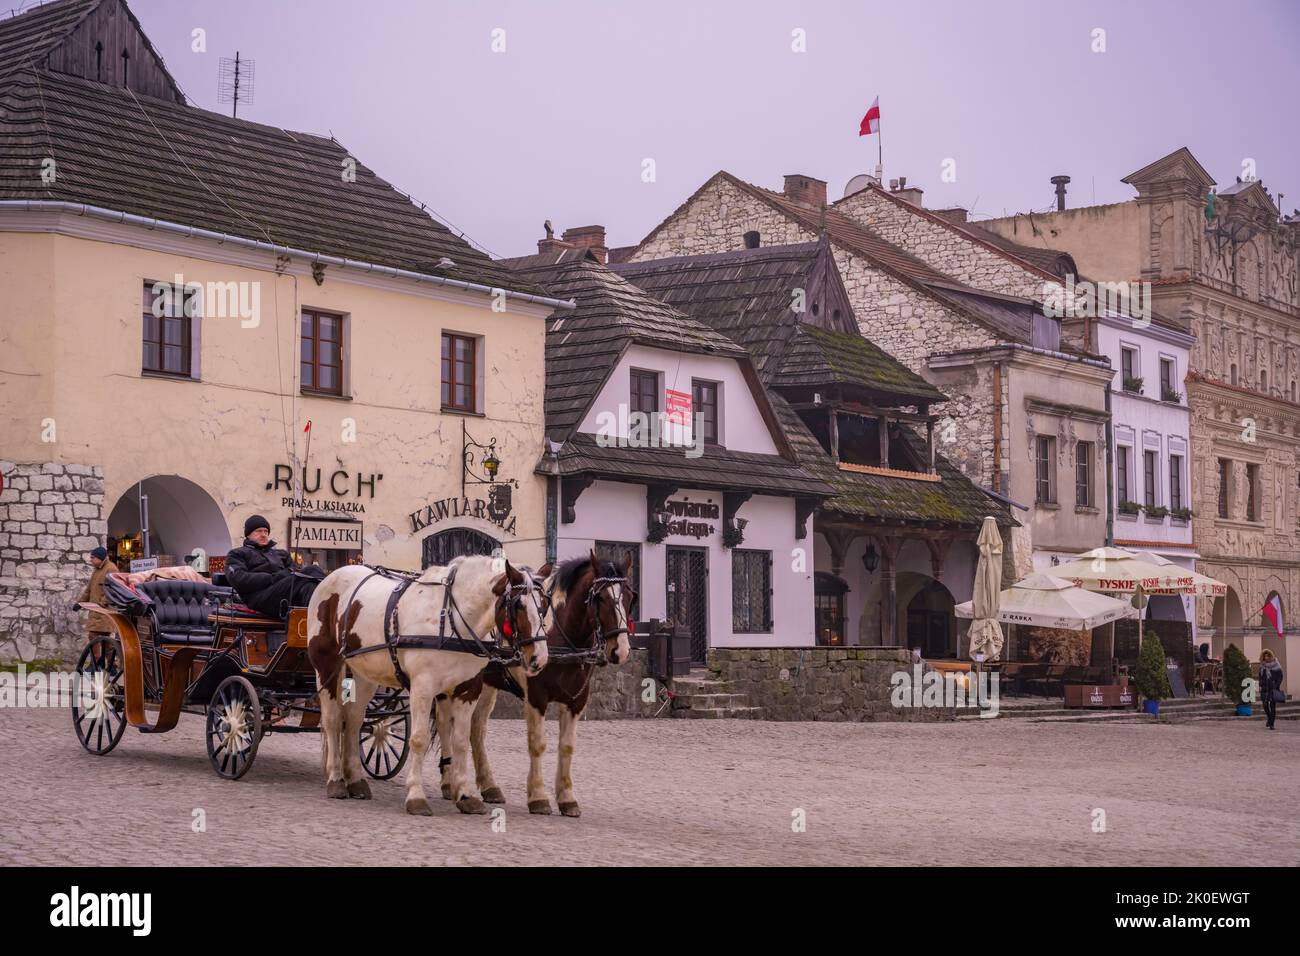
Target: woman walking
[(1270, 684)]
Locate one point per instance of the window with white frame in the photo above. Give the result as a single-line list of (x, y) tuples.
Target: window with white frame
[(1149, 468), (1122, 458), (1175, 481)]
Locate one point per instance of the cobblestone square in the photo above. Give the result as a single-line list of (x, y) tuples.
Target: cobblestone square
[(677, 792)]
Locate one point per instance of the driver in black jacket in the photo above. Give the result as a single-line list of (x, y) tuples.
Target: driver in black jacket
[(265, 576)]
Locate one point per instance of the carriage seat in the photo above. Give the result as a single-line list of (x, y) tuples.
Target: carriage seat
[(181, 609)]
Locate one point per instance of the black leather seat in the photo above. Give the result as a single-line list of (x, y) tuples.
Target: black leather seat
[(181, 608)]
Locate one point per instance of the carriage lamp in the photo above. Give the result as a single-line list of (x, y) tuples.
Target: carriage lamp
[(491, 463), (870, 558), (480, 462)]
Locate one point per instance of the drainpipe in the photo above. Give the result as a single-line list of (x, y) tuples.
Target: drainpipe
[(1110, 473), (996, 477)]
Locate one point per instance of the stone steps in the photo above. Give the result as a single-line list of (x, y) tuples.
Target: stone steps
[(699, 696)]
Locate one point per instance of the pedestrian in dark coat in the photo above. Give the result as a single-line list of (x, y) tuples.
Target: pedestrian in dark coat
[(1270, 685), (265, 576), (97, 625)]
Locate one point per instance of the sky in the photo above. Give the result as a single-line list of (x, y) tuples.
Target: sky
[(555, 117)]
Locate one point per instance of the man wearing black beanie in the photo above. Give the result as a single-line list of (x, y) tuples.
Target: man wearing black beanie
[(265, 576)]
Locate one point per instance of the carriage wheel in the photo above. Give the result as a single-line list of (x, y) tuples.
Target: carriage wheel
[(234, 727), (99, 699), (385, 735)]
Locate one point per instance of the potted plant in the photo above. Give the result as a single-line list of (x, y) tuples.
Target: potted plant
[(1182, 514), (1170, 395), (1151, 679), (1156, 511), (1129, 507), (1133, 384), (1236, 678), (733, 535)]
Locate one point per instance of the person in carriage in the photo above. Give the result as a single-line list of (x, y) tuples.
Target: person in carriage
[(265, 576)]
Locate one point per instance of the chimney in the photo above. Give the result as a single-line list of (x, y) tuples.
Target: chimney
[(905, 192), (588, 237), (805, 190), (1059, 182), (955, 214), (550, 243)]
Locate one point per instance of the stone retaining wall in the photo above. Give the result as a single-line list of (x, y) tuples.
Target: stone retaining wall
[(616, 693), (51, 514), (819, 683)]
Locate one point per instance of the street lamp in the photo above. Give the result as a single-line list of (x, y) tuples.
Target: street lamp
[(870, 558)]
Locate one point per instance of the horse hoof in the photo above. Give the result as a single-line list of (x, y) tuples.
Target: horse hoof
[(336, 790), (446, 791), (359, 790), (419, 807), (471, 805), (540, 806), (493, 795), (570, 810)]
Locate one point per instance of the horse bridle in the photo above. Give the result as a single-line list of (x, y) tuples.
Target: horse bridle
[(510, 600)]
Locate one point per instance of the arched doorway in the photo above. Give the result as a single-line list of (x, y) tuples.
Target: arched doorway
[(181, 516), (930, 623), (439, 549)]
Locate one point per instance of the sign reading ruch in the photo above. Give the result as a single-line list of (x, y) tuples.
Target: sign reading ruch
[(495, 509), (340, 483), (683, 510), (327, 535)]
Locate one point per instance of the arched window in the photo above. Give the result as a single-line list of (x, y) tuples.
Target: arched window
[(442, 547), (751, 239)]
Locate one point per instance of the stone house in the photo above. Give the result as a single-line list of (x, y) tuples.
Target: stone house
[(1224, 264), (1020, 401)]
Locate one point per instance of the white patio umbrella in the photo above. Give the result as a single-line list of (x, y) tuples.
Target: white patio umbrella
[(985, 632), (1117, 571), (1205, 585), (1041, 600)]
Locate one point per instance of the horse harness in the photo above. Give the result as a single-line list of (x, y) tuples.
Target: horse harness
[(489, 646)]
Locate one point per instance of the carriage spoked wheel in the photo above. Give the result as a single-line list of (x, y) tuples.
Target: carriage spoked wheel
[(234, 727), (99, 698), (385, 735)]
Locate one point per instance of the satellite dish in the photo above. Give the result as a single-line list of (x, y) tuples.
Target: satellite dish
[(859, 183)]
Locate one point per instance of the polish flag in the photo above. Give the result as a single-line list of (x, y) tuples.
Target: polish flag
[(1273, 611), (871, 122)]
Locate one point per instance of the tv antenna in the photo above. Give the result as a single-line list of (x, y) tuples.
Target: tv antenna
[(235, 82)]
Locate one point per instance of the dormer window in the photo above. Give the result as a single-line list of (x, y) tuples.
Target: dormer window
[(751, 239)]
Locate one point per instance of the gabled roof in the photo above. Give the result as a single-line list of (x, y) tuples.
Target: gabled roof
[(974, 235), (117, 149), (1180, 164), (899, 264), (28, 39), (584, 344), (1056, 262), (1252, 193), (747, 295)]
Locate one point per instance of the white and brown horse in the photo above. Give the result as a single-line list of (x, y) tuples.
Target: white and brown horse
[(588, 618), (431, 634)]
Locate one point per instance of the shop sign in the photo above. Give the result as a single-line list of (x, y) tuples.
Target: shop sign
[(496, 508), (341, 483), (327, 535), (683, 511)]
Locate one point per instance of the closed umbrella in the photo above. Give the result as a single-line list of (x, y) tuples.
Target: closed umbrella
[(985, 632)]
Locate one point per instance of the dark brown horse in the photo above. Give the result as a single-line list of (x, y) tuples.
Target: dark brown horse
[(588, 624)]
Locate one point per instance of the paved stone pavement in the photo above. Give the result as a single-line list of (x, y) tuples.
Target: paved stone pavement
[(685, 792)]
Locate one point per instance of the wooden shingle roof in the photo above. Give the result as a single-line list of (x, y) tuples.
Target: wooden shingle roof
[(747, 295), (120, 150), (27, 38)]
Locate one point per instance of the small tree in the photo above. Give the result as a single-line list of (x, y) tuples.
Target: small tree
[(1151, 678), (1236, 671)]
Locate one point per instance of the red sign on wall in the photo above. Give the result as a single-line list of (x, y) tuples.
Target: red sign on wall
[(677, 406)]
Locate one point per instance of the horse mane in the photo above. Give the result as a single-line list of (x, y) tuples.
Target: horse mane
[(570, 572), (434, 573)]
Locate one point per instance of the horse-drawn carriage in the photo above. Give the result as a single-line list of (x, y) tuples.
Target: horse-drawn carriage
[(185, 646)]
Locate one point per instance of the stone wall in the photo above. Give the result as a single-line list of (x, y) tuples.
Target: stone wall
[(50, 516), (941, 246), (819, 683)]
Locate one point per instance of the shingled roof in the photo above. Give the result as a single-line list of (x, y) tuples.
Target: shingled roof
[(747, 295), (583, 345), (27, 38), (127, 152), (953, 499)]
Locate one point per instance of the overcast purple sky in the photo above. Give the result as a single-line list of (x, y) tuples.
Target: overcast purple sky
[(558, 125)]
